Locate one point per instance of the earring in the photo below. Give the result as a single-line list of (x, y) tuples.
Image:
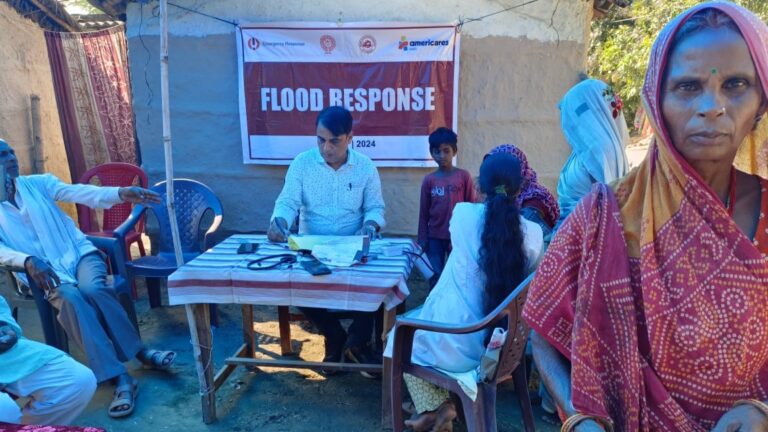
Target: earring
[(722, 110)]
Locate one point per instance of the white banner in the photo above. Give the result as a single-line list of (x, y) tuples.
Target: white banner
[(400, 81)]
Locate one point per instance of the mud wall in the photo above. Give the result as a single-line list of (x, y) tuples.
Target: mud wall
[(515, 67)]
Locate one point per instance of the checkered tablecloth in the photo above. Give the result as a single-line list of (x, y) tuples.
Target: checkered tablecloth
[(220, 275)]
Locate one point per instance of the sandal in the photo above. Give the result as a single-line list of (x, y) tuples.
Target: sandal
[(157, 359), (125, 396)]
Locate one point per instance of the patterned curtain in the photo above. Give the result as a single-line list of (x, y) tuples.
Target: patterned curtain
[(93, 94)]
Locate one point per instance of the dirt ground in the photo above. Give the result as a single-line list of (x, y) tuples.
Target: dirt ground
[(271, 400)]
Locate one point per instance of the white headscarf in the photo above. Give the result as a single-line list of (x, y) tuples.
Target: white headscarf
[(597, 134)]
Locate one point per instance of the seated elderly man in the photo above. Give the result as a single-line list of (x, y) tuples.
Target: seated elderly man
[(58, 387), (37, 236), (339, 193)]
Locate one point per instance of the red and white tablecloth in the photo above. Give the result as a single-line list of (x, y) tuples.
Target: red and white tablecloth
[(220, 275)]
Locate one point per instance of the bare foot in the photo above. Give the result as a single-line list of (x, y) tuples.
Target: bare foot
[(422, 422), (444, 417)]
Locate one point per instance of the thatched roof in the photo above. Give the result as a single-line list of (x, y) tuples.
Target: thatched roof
[(49, 14), (113, 8)]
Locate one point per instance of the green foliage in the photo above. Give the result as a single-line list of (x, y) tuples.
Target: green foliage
[(79, 7), (621, 43)]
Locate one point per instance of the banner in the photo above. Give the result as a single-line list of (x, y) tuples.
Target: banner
[(400, 81)]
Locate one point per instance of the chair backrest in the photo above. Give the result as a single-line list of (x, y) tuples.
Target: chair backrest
[(111, 174), (193, 200), (511, 310)]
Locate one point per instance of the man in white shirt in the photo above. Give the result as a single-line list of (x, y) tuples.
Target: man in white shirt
[(336, 191), (52, 254)]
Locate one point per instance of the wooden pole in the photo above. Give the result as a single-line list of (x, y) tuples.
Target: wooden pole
[(203, 365), (38, 162)]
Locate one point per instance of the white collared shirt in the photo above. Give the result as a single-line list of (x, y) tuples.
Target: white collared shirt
[(38, 227), (330, 202)]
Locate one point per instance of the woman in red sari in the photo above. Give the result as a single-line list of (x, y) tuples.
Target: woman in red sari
[(650, 308), (537, 204)]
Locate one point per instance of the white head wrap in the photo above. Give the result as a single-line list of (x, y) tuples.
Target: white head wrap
[(597, 138)]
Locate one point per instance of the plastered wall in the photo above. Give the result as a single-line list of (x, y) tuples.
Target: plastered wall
[(515, 67), (24, 70)]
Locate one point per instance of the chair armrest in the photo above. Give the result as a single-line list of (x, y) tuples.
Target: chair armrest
[(494, 316), (113, 247), (134, 218), (208, 237), (11, 268), (437, 327), (405, 328)]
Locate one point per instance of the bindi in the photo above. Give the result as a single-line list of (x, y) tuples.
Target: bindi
[(714, 71)]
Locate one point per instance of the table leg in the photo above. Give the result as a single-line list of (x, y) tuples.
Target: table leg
[(386, 394), (386, 383), (389, 321), (249, 337), (284, 321), (200, 328)]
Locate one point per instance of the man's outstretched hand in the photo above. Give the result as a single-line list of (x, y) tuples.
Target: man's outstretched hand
[(137, 195)]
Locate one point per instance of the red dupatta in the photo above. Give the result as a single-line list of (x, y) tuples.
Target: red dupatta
[(652, 292)]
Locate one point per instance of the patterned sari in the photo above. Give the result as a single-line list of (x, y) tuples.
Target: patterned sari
[(650, 289), (532, 193)]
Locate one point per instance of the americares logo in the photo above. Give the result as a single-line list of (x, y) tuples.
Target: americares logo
[(407, 45), (403, 45)]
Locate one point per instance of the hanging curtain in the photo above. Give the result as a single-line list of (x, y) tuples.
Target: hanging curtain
[(93, 94)]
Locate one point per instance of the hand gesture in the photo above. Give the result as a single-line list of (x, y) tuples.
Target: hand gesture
[(8, 338), (137, 195), (742, 418), (41, 274), (278, 230)]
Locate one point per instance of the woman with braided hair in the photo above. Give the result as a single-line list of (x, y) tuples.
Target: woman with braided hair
[(494, 249)]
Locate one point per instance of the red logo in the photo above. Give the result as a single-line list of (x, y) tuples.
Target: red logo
[(253, 43), (367, 44), (327, 43)]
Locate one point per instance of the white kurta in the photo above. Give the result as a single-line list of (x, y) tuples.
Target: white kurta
[(458, 296), (38, 227)]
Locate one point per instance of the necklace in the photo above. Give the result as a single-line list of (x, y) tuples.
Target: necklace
[(730, 200)]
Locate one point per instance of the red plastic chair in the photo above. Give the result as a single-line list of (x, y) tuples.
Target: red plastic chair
[(113, 174)]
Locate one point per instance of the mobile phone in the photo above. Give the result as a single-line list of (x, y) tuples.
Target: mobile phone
[(247, 248), (315, 267)]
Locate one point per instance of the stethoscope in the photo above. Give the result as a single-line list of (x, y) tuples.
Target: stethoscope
[(264, 263)]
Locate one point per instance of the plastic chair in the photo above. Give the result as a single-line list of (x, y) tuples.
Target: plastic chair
[(480, 414), (113, 174), (52, 329), (193, 200)]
